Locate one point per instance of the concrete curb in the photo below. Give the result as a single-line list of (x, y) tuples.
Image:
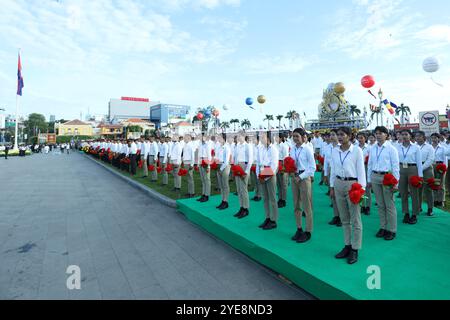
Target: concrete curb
[(151, 193)]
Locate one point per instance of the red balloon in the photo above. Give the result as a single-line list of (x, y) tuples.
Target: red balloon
[(368, 82), (200, 116)]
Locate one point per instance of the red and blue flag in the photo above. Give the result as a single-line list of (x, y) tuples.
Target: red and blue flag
[(19, 78)]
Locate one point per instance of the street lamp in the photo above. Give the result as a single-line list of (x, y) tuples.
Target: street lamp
[(380, 95)]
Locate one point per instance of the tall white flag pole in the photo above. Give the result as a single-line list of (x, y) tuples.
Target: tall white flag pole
[(16, 145)]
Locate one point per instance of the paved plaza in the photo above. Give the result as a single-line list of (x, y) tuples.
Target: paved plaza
[(60, 210)]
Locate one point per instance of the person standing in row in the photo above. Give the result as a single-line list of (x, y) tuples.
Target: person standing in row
[(410, 166), (152, 158), (362, 142), (133, 157), (189, 161), (347, 168), (144, 156), (427, 153), (224, 159), (243, 157), (334, 143), (440, 154), (383, 159), (302, 184), (175, 160), (204, 163), (254, 178), (267, 168), (282, 177), (164, 159)]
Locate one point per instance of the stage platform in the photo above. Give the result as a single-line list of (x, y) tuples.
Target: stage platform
[(416, 265)]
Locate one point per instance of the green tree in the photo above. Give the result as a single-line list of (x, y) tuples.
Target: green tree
[(403, 111), (36, 123), (279, 118), (268, 118), (291, 116), (134, 129), (234, 122), (354, 111), (224, 126), (246, 124)]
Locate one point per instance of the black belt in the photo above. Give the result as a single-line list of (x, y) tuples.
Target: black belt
[(439, 162), (380, 172), (410, 164), (347, 179), (301, 172)]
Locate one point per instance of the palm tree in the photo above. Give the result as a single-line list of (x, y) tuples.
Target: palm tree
[(234, 122), (354, 110), (268, 118), (224, 126), (279, 118), (246, 124), (375, 113), (291, 116), (403, 111)]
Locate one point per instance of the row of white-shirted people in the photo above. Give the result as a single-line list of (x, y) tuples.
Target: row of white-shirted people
[(348, 159)]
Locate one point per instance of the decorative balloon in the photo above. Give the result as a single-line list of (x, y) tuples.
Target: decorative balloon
[(215, 113), (339, 88), (249, 101), (200, 116), (208, 113), (368, 82), (262, 99), (431, 65)]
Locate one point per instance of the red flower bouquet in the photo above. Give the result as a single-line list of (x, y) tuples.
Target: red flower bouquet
[(434, 184), (169, 168), (253, 168), (266, 173), (238, 171), (441, 168), (110, 156), (205, 164), (213, 153), (280, 167), (151, 168), (366, 160), (214, 166), (196, 168), (159, 169), (321, 160), (356, 193), (138, 153), (390, 181), (126, 160), (182, 172), (416, 182), (289, 165)]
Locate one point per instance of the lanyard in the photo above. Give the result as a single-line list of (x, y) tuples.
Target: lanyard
[(345, 158), (297, 155), (405, 155), (379, 154)]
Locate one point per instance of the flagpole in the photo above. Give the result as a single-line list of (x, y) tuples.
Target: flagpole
[(16, 146)]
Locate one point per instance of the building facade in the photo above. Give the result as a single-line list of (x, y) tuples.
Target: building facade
[(127, 108), (74, 128), (166, 114)]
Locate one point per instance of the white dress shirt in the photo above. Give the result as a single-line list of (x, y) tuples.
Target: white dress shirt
[(304, 160), (411, 155), (218, 153), (348, 164), (189, 153), (383, 159), (427, 153), (133, 148), (268, 157), (243, 153), (226, 156), (153, 150), (327, 158), (283, 151), (204, 152), (164, 152), (175, 154), (317, 142), (440, 154)]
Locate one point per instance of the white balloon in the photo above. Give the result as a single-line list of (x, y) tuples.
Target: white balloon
[(431, 64)]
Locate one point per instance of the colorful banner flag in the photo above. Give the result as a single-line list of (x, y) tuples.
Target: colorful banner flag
[(20, 84), (389, 107)]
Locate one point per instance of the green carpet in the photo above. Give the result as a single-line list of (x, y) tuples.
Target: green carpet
[(416, 265)]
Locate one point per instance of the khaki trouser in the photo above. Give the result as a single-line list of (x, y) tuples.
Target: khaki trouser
[(386, 205), (205, 175), (256, 184), (426, 190), (282, 184), (406, 188), (144, 165), (242, 190), (269, 188), (223, 178), (218, 175), (439, 195), (349, 213), (190, 177), (164, 173), (176, 177), (367, 203), (301, 192), (335, 207), (151, 161)]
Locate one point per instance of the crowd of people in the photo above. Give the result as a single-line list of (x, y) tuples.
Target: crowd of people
[(356, 166)]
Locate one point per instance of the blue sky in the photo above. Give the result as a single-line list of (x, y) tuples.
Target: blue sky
[(77, 54)]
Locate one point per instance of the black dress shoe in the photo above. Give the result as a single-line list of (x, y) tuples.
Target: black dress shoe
[(201, 198), (389, 236), (303, 214), (283, 204), (344, 253), (430, 213), (381, 233), (297, 235), (264, 223), (406, 218), (239, 213), (270, 225), (280, 203), (368, 211), (353, 257), (321, 183), (235, 193), (225, 206), (334, 221), (413, 220), (304, 237), (258, 199), (244, 214), (205, 199), (220, 206), (339, 222)]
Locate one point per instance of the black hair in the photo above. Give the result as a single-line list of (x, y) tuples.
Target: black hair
[(407, 131), (382, 129), (362, 134), (300, 131), (437, 135), (334, 130), (346, 130), (224, 136), (421, 133)]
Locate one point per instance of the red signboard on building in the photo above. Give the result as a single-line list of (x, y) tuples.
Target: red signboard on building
[(135, 99), (416, 126)]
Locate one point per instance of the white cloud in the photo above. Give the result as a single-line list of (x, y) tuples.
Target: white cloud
[(438, 35), (287, 63)]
